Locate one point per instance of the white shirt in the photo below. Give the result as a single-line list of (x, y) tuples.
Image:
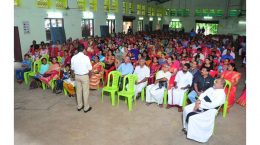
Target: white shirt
[(201, 55), (142, 72), (183, 79), (80, 63), (217, 97), (162, 74)]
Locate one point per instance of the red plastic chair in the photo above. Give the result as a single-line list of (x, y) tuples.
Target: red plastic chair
[(213, 73)]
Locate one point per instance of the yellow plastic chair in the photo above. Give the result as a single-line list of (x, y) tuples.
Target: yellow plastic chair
[(128, 91), (113, 88)]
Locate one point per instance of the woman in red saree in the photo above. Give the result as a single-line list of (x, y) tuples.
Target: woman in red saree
[(175, 61), (109, 64), (173, 69), (96, 74), (52, 72), (242, 99), (233, 76), (154, 67)]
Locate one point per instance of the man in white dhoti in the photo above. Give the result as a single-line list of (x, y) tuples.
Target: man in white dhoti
[(199, 117), (155, 92), (182, 82), (143, 73)]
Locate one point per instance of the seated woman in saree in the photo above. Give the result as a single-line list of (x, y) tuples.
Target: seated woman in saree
[(52, 72), (109, 64), (242, 99), (233, 76), (154, 67), (96, 74)]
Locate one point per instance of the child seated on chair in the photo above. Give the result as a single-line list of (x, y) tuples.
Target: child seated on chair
[(66, 75), (26, 66), (69, 85), (39, 74)]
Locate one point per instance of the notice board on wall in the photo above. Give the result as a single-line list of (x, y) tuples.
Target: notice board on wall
[(26, 27)]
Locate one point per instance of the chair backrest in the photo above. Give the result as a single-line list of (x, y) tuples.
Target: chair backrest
[(103, 64), (213, 73), (228, 84), (131, 82), (36, 66), (46, 56), (115, 79), (59, 59)]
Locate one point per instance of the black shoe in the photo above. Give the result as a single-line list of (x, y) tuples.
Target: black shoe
[(88, 110), (80, 108), (184, 131), (58, 91)]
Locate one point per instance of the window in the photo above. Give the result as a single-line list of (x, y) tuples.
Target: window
[(210, 28), (87, 27), (111, 25), (175, 25), (52, 22), (140, 25)]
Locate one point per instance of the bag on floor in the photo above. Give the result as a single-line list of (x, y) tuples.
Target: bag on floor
[(33, 84)]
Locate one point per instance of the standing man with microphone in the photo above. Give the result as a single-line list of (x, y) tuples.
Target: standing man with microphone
[(81, 66)]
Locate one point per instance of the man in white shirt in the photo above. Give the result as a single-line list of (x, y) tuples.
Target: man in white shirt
[(199, 117), (202, 57), (81, 66), (154, 93), (182, 82), (143, 73)]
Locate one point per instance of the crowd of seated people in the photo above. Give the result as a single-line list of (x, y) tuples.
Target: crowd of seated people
[(183, 61), (168, 65)]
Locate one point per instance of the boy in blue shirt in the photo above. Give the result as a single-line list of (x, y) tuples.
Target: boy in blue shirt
[(26, 66)]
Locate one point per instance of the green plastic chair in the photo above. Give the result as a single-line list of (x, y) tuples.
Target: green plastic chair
[(35, 68), (129, 92), (228, 84), (113, 88), (47, 57), (52, 83), (102, 78), (66, 92), (59, 60), (142, 93), (185, 98), (165, 94)]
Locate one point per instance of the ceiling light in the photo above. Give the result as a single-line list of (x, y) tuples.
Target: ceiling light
[(208, 17)]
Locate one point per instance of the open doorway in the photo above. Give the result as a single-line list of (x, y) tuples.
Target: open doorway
[(111, 25), (87, 27), (140, 25), (211, 27), (17, 46), (128, 23), (126, 26)]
